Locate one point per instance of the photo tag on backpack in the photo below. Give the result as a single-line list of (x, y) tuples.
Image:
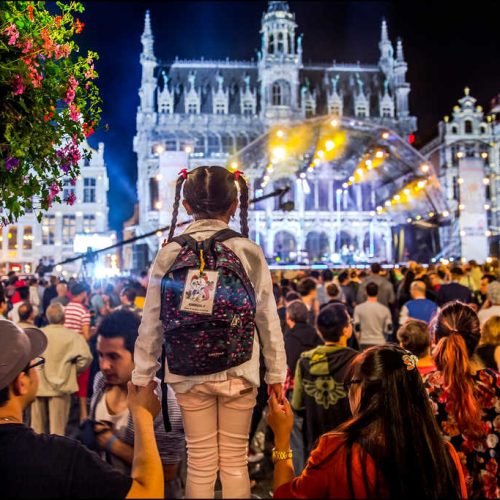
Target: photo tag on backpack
[(199, 291)]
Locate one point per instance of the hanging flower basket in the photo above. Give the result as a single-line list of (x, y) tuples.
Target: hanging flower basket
[(49, 104)]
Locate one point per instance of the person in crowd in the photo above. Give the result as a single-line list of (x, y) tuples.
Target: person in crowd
[(466, 398), (321, 373), (127, 300), (476, 274), (349, 291), (309, 295), (291, 296), (50, 292), (435, 281), (116, 338), (325, 280), (280, 304), (26, 314), (49, 466), (413, 335), (299, 337), (216, 408), (62, 294), (34, 298), (100, 302), (4, 306), (390, 448), (492, 307), (24, 295), (385, 291), (114, 298), (403, 290), (419, 307), (66, 355), (334, 294), (77, 318), (372, 320), (482, 293), (488, 350), (454, 290)]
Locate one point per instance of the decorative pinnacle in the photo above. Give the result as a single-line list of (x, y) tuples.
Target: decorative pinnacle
[(384, 37), (147, 24), (466, 90), (399, 51)]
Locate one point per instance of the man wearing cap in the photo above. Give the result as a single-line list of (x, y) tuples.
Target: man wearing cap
[(493, 299), (40, 465)]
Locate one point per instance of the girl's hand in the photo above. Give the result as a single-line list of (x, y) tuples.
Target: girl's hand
[(280, 419), (277, 389)]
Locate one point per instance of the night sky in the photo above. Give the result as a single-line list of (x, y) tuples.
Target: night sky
[(447, 47)]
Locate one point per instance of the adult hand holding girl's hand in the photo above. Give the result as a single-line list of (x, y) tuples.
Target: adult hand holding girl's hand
[(280, 419), (143, 398)]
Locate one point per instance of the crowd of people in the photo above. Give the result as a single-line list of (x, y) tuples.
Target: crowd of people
[(366, 383)]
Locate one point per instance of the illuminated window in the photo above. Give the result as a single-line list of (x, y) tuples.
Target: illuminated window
[(48, 229), (28, 238), (89, 189), (89, 225), (68, 229), (280, 93), (12, 236)]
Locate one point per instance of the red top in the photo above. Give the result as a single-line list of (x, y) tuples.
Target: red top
[(329, 480)]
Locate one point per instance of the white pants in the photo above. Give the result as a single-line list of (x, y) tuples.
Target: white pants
[(217, 417), (55, 410)]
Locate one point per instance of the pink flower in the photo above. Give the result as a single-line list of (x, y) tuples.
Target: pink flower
[(71, 198), (70, 96), (74, 112), (13, 33), (27, 46), (62, 51), (18, 85)]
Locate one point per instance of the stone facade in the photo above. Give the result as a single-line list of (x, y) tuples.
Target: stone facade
[(212, 109)]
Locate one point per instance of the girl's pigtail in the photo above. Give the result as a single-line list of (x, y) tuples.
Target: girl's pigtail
[(175, 210), (243, 205)]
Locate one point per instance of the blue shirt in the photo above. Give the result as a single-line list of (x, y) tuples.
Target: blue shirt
[(423, 309)]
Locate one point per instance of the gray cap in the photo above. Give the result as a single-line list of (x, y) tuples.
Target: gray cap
[(18, 348), (493, 292)]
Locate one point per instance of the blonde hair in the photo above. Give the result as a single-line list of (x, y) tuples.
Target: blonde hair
[(490, 331)]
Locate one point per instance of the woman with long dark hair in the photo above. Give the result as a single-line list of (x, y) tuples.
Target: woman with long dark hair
[(466, 398), (391, 448)]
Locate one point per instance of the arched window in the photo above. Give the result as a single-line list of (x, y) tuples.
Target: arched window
[(280, 93), (270, 48), (454, 129), (281, 44), (468, 126)]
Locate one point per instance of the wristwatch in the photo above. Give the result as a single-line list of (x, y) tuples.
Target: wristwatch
[(281, 455)]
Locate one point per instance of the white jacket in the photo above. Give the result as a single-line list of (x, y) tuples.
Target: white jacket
[(149, 343)]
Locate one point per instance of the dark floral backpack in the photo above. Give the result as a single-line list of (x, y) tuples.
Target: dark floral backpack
[(207, 307)]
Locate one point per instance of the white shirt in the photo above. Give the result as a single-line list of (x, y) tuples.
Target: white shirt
[(149, 343), (486, 314)]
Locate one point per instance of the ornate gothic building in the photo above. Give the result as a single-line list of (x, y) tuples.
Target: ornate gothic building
[(195, 112)]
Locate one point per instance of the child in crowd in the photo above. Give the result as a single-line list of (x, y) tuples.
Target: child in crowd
[(414, 337), (217, 407)]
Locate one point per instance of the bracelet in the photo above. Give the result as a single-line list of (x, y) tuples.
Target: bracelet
[(281, 455), (110, 441)]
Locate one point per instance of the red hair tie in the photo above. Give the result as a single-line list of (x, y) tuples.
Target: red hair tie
[(184, 173), (237, 174)]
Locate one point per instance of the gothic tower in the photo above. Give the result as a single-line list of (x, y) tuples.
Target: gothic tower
[(280, 59)]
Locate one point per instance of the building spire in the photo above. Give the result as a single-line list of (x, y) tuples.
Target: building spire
[(147, 38), (275, 6), (399, 51), (384, 37)]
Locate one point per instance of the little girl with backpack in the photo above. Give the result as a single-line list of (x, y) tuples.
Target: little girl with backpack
[(210, 292)]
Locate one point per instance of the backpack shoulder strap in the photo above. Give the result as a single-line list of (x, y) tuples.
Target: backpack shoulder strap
[(186, 240), (225, 234)]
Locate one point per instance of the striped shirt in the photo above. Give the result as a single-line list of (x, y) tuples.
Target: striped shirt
[(76, 316)]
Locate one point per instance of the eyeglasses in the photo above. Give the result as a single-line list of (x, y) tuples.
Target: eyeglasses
[(39, 362), (348, 383)]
